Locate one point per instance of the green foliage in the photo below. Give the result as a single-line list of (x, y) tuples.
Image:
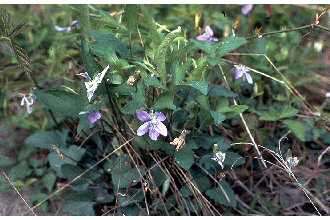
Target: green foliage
[(222, 194), (185, 157), (45, 139), (6, 161), (156, 64), (275, 114), (61, 102)]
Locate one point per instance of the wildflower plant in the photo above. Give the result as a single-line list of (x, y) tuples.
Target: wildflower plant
[(144, 125)]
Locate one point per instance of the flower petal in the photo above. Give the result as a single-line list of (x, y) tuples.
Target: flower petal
[(23, 100), (214, 39), (161, 128), (153, 134), (209, 31), (248, 78), (246, 9), (160, 116), (203, 37), (143, 129), (143, 116), (94, 117), (29, 109), (237, 73)]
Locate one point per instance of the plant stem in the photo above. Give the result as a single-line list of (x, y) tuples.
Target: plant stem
[(245, 124), (289, 30), (84, 20)]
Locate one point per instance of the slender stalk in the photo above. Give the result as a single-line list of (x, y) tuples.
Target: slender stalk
[(245, 124), (16, 190), (311, 26), (84, 20)]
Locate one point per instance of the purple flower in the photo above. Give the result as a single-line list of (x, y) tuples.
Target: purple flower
[(207, 35), (241, 71), (152, 124), (246, 9), (94, 116)]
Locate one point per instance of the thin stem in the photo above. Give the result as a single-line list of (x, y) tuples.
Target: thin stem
[(289, 30), (16, 190), (244, 123)]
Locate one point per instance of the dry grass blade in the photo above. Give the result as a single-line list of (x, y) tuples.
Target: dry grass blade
[(245, 124), (16, 190)]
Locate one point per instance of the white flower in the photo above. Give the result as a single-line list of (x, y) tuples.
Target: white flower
[(292, 161), (327, 95), (74, 24), (92, 84), (219, 157), (28, 101)]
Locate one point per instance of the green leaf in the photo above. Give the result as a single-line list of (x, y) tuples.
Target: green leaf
[(218, 90), (217, 117), (61, 102), (131, 17), (166, 186), (88, 59), (228, 45), (6, 161), (45, 139), (233, 159), (49, 181), (151, 81), (274, 114), (20, 171), (201, 86), (38, 197), (207, 142), (165, 101), (222, 194), (74, 152), (137, 101), (122, 172), (185, 157), (160, 55), (71, 156), (304, 130), (204, 46), (106, 45), (70, 172), (4, 185), (79, 208)]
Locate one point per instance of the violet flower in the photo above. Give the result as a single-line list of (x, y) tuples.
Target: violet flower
[(94, 116), (207, 35), (241, 71), (152, 124), (246, 9)]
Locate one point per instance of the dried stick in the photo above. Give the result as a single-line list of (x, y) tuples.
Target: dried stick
[(245, 124), (12, 185)]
